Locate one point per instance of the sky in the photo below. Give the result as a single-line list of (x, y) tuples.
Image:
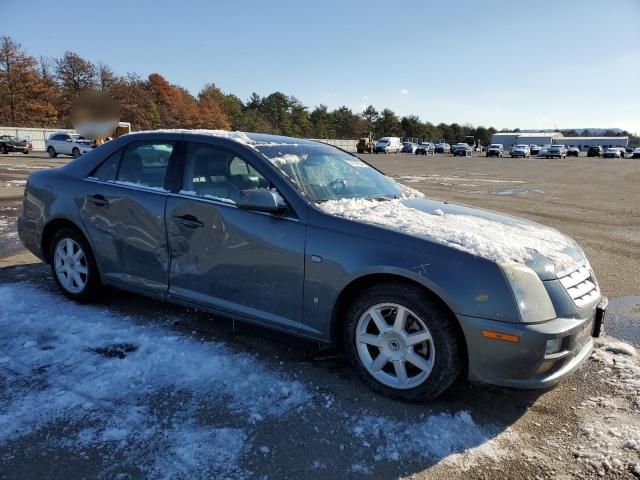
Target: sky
[(506, 64)]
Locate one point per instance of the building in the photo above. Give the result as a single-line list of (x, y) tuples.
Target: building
[(510, 139)]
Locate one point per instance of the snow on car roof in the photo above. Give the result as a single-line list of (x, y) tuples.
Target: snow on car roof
[(245, 138)]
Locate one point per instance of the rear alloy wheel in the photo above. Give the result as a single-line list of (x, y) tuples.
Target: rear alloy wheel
[(73, 265), (52, 152), (75, 153), (402, 343)]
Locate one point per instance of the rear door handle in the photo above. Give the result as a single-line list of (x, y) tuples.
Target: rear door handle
[(98, 200), (188, 221)]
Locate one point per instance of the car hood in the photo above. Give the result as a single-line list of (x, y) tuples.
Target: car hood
[(491, 235)]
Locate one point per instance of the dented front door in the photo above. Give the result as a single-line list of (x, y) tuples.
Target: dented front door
[(234, 260)]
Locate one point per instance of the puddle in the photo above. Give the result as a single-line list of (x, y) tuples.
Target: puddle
[(623, 319)]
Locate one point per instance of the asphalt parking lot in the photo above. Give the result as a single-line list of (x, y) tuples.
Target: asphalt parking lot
[(326, 424)]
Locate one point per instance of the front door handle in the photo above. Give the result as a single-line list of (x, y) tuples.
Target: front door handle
[(188, 221), (98, 200)]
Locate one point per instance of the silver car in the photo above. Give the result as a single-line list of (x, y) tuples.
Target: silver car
[(310, 240), (67, 144)]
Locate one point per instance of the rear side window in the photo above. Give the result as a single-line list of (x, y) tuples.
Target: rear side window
[(108, 169), (145, 164)]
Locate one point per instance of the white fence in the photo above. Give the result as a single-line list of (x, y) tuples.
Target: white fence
[(37, 135), (348, 145)]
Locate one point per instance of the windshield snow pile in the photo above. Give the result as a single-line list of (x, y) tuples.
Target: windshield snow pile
[(485, 238), (89, 379)]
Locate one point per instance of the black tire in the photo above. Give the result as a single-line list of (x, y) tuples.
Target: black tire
[(25, 151), (3, 149), (447, 339), (93, 285), (75, 153), (52, 152)]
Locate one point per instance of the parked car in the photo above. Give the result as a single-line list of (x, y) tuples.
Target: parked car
[(543, 150), (613, 152), (442, 148), (219, 218), (559, 151), (595, 151), (635, 153), (495, 150), (573, 152), (520, 151), (462, 150), (534, 149), (388, 145), (409, 147), (426, 148), (67, 144), (9, 143)]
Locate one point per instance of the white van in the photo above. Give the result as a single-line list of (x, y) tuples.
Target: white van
[(388, 145)]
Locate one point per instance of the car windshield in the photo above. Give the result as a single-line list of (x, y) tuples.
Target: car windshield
[(495, 146), (322, 172)]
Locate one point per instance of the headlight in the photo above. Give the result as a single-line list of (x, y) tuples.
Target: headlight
[(531, 297)]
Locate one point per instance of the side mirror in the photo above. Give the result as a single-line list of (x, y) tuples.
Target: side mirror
[(260, 200), (69, 140)]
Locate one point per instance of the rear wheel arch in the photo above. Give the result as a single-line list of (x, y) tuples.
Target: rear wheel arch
[(359, 285), (50, 230)]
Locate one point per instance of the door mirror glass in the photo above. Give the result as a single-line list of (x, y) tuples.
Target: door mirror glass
[(260, 200)]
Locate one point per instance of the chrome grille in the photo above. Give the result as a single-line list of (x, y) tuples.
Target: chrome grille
[(581, 286)]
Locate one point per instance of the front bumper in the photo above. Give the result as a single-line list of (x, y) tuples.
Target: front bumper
[(525, 363)]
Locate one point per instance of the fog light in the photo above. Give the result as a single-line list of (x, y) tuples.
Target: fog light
[(554, 345)]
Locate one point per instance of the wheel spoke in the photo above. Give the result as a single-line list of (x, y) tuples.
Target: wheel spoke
[(78, 280), (418, 361), (78, 255), (418, 337), (379, 320), (401, 371), (369, 339), (81, 269), (380, 361), (400, 320), (69, 247)]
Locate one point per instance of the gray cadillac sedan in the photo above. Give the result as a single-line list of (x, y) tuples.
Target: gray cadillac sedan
[(308, 239)]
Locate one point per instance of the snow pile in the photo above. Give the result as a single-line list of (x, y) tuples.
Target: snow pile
[(140, 390), (620, 363), (456, 438), (610, 425), (486, 238)]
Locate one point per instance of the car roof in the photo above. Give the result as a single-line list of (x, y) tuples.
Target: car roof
[(246, 138)]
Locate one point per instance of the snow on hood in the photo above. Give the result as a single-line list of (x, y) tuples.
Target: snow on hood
[(492, 236)]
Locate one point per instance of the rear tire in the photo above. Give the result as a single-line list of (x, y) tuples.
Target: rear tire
[(52, 152), (75, 153), (389, 368), (25, 151), (3, 149), (73, 266)]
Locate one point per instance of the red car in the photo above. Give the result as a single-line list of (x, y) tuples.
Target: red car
[(14, 144)]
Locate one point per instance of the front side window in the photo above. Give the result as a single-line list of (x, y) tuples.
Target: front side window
[(218, 174), (322, 172), (145, 164)]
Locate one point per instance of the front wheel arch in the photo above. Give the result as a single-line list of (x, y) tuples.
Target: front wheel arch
[(359, 285)]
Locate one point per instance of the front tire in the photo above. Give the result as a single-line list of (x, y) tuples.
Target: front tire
[(52, 152), (75, 153), (73, 266), (402, 343), (3, 149)]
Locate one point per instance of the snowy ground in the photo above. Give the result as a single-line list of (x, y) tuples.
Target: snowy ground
[(117, 395)]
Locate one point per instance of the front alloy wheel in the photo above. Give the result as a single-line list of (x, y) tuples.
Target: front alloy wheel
[(403, 342), (395, 346)]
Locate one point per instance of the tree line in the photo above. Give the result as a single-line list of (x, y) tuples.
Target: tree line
[(40, 93)]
